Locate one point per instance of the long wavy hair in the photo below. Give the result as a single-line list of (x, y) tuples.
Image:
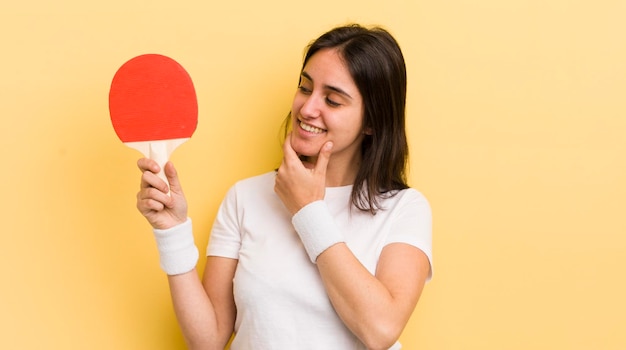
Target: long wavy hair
[(377, 67)]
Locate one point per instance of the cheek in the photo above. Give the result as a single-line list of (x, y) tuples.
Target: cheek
[(298, 147), (296, 104), (305, 147)]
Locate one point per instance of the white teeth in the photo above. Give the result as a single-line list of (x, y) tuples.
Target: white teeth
[(311, 128)]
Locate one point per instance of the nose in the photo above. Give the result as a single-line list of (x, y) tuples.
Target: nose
[(310, 108)]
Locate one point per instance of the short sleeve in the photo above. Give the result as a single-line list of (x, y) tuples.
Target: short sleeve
[(225, 238), (412, 224)]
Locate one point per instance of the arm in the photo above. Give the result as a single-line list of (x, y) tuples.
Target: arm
[(375, 305), (205, 310), (375, 308)]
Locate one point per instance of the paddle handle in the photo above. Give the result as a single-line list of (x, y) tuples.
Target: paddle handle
[(159, 151)]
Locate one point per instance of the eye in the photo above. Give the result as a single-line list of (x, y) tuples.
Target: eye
[(303, 89), (332, 103)]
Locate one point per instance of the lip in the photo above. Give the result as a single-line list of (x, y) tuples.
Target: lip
[(309, 128)]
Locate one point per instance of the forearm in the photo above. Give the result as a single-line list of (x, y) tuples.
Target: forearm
[(195, 313), (192, 304), (364, 303)]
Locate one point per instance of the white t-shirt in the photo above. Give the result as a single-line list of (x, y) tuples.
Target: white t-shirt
[(281, 301)]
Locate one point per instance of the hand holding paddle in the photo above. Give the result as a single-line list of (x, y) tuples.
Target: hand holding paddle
[(153, 106)]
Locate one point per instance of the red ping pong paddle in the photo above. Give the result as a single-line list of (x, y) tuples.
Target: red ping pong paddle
[(153, 106)]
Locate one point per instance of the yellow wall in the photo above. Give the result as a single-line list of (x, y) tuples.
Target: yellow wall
[(517, 125)]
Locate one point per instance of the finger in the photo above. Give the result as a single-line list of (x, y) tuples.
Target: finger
[(146, 206), (323, 158), (172, 178), (147, 164), (289, 153), (151, 199), (152, 180)]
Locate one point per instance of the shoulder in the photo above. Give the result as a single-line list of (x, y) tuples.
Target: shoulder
[(256, 182), (409, 197), (261, 180), (253, 188), (248, 192), (412, 194)]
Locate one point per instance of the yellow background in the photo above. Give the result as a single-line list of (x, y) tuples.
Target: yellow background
[(517, 124)]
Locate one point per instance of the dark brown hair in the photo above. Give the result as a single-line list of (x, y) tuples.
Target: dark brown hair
[(377, 67)]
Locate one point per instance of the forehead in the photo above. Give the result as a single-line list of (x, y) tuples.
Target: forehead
[(327, 67)]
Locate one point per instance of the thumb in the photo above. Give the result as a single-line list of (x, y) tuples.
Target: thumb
[(324, 157), (172, 178)]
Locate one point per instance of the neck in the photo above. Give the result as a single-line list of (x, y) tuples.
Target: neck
[(340, 172), (340, 178)]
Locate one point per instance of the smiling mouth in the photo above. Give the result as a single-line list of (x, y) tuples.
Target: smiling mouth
[(311, 128)]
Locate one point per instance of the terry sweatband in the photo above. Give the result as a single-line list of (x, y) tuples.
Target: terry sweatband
[(177, 251), (316, 228)]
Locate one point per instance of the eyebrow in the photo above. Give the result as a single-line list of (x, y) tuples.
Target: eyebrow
[(329, 87)]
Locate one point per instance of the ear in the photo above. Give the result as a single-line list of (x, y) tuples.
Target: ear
[(367, 131)]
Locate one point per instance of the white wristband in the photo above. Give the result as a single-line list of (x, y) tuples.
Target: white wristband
[(316, 228), (177, 250)]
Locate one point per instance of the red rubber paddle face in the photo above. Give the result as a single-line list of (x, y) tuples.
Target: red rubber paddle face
[(152, 98)]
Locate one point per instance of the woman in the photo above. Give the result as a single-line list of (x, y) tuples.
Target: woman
[(332, 250)]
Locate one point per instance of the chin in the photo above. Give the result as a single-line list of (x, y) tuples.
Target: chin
[(304, 148)]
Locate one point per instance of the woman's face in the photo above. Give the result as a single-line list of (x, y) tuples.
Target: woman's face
[(327, 107)]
